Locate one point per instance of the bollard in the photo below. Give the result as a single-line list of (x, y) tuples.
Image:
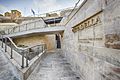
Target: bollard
[(22, 59)]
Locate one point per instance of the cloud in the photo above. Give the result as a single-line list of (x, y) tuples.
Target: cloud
[(46, 5), (3, 9)]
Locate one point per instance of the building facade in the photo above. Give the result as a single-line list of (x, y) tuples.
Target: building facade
[(89, 38)]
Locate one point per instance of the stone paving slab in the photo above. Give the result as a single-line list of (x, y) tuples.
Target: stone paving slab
[(7, 72), (53, 67)]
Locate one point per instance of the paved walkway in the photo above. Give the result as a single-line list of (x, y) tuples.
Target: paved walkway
[(7, 72), (53, 67)]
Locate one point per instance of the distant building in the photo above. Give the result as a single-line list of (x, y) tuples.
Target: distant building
[(1, 15), (51, 15), (7, 14), (15, 14)]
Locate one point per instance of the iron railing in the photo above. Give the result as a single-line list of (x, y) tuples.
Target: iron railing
[(25, 27), (29, 26), (25, 55)]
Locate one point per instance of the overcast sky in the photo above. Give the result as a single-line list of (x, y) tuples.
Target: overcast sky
[(39, 6)]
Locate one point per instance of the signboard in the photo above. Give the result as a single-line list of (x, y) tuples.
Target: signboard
[(91, 21)]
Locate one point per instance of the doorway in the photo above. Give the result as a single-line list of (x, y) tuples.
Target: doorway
[(58, 42)]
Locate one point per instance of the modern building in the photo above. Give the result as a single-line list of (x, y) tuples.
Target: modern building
[(82, 44)]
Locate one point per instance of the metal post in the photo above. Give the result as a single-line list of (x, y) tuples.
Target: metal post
[(22, 59), (42, 48), (2, 41), (38, 49), (11, 52), (26, 27), (5, 44), (27, 57)]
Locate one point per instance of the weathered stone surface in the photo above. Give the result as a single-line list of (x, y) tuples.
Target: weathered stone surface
[(7, 71), (95, 51), (54, 67)]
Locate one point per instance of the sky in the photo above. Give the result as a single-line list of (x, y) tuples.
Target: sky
[(38, 6)]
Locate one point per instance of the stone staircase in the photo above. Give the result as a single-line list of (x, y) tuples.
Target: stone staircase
[(53, 67), (7, 70)]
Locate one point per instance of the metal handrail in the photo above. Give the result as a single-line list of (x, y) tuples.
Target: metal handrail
[(21, 47), (26, 28), (26, 24), (24, 53)]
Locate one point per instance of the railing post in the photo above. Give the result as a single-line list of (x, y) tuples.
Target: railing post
[(42, 48), (2, 41), (5, 44), (22, 59), (27, 57), (26, 27), (11, 52), (38, 49)]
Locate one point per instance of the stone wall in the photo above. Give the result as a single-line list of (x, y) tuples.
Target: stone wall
[(36, 40), (91, 40)]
